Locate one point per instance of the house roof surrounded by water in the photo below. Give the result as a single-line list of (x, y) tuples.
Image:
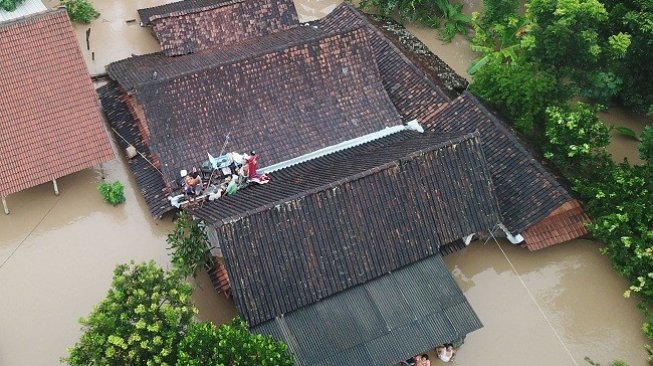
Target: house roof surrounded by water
[(50, 122), (285, 95), (189, 26), (380, 322), (323, 226)]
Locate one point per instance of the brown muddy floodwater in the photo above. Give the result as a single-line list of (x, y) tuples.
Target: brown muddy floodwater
[(57, 254)]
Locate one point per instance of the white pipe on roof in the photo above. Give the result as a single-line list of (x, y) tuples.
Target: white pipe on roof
[(514, 239), (412, 125)]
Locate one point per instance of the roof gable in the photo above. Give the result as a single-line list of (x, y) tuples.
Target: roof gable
[(50, 122), (307, 247), (190, 26)]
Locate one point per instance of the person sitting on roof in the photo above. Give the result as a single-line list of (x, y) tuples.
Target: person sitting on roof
[(446, 352), (192, 182), (417, 360)]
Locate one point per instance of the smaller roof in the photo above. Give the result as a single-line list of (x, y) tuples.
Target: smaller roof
[(190, 26), (381, 322), (50, 122), (27, 7)]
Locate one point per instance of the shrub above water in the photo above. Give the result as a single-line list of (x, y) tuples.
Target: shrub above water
[(112, 193), (80, 11)]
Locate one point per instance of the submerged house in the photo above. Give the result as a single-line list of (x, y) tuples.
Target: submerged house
[(334, 253), (50, 121)]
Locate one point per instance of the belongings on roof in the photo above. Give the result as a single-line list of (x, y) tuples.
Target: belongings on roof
[(216, 177)]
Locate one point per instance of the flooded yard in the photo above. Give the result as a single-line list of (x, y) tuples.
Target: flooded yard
[(57, 253)]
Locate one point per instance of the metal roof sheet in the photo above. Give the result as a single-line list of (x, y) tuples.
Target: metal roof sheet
[(376, 323)]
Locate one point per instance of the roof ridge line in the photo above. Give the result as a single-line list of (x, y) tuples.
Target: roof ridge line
[(189, 11), (311, 40), (350, 178)]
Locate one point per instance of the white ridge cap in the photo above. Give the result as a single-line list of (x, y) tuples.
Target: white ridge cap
[(412, 125)]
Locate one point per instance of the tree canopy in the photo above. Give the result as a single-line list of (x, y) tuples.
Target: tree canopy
[(9, 5), (148, 319), (140, 322)]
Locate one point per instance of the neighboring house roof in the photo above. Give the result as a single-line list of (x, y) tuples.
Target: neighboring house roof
[(381, 322), (281, 100), (328, 224), (190, 26), (50, 122), (27, 7), (148, 179)]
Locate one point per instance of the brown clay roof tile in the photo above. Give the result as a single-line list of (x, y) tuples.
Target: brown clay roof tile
[(50, 122), (190, 26)]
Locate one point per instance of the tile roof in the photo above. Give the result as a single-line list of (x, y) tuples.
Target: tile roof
[(565, 223), (328, 224), (190, 26), (412, 92), (219, 277), (527, 193), (50, 122), (283, 102), (376, 323), (148, 179)]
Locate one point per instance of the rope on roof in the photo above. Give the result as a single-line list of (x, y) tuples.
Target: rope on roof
[(138, 152)]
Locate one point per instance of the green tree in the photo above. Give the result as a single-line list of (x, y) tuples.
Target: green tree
[(443, 14), (498, 42), (519, 90), (646, 147), (189, 245), (230, 344), (566, 38), (113, 193), (80, 11), (634, 17), (140, 322), (575, 138), (9, 5), (499, 11)]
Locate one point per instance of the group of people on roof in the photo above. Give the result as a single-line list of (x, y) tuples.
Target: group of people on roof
[(222, 175), (445, 353)]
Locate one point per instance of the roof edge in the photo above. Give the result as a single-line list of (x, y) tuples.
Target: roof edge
[(168, 14)]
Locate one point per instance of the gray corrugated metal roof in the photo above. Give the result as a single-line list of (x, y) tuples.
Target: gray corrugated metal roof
[(381, 322), (26, 8)]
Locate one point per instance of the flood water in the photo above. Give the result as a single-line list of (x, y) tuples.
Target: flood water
[(57, 254)]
